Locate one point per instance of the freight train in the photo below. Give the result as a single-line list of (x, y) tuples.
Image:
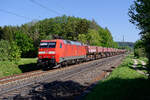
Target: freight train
[(60, 52)]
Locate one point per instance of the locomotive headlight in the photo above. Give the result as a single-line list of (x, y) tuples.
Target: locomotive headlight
[(51, 52), (41, 52)]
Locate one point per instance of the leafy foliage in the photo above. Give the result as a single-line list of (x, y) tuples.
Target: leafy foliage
[(82, 38), (28, 36), (94, 38), (4, 50), (9, 51), (140, 16), (15, 52), (1, 32), (24, 42), (139, 50)]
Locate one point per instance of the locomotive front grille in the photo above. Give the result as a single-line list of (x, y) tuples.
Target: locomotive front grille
[(52, 60)]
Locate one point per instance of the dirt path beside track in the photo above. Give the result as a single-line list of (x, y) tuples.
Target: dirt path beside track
[(135, 66)]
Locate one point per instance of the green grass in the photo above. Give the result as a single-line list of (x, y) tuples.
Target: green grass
[(11, 68), (8, 68), (124, 83), (140, 66), (27, 61), (144, 59)]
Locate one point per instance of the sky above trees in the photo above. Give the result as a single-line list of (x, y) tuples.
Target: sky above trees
[(108, 13)]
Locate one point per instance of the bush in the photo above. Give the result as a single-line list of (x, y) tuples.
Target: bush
[(9, 51), (4, 50), (139, 50), (15, 53)]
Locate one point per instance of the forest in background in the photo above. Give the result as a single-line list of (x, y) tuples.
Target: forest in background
[(126, 44), (23, 41)]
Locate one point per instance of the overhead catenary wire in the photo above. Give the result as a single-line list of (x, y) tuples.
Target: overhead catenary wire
[(15, 14), (44, 7), (62, 8)]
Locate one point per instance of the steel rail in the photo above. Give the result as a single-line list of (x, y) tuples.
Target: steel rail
[(48, 75)]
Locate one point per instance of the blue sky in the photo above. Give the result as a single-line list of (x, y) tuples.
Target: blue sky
[(107, 13)]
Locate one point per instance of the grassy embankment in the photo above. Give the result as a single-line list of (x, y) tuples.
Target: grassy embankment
[(10, 68), (140, 66), (143, 59), (124, 83)]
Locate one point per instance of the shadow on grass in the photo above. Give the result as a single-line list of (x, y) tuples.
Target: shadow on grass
[(121, 89), (139, 68), (56, 90), (29, 67)]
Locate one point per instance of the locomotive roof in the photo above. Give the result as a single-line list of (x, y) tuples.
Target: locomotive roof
[(47, 40), (65, 41)]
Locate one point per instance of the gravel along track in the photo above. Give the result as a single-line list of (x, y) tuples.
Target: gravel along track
[(59, 84), (15, 77)]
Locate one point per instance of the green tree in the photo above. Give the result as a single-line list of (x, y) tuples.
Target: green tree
[(4, 50), (7, 33), (82, 26), (140, 16), (82, 38), (115, 45), (9, 51), (1, 33), (25, 44), (94, 38), (107, 40), (139, 50), (93, 25)]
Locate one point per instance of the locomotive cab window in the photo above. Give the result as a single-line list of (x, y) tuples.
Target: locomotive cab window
[(47, 44), (60, 45), (52, 44)]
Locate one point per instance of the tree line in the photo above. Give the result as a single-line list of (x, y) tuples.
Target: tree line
[(23, 41)]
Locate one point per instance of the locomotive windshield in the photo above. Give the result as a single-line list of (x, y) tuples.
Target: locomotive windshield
[(47, 44)]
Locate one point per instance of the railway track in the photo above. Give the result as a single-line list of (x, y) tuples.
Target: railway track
[(12, 86), (14, 77)]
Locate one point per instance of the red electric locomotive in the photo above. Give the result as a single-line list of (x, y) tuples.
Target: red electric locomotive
[(54, 52)]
